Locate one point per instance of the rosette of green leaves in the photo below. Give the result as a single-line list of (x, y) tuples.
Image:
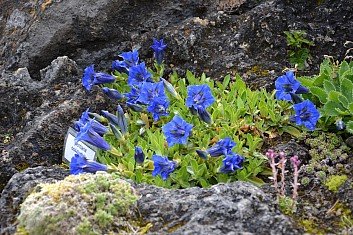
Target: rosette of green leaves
[(332, 92)]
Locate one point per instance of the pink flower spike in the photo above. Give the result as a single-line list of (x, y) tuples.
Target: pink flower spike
[(295, 161)]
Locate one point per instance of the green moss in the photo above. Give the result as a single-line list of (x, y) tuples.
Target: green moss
[(335, 181), (310, 226), (84, 204)]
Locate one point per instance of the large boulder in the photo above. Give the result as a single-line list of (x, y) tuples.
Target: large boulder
[(235, 208)]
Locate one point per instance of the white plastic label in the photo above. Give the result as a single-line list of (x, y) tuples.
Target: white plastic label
[(70, 149)]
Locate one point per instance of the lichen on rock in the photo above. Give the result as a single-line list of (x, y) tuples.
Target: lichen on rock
[(98, 203)]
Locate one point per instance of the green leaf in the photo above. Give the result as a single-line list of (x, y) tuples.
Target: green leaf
[(256, 181), (306, 81), (329, 86), (343, 68), (331, 107), (343, 100), (226, 81), (350, 107), (333, 95), (292, 130), (204, 183), (347, 89), (240, 85), (320, 93), (349, 127), (262, 106)]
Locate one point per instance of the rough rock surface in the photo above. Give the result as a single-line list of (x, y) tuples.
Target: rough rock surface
[(18, 188), (216, 37), (37, 114), (236, 208)]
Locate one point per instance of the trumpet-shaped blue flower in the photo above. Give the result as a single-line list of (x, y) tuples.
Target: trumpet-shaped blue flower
[(88, 134), (199, 96), (150, 91), (158, 47), (139, 155), (112, 93), (131, 59), (90, 78), (79, 164), (163, 166), (223, 147), (177, 131), (231, 163), (158, 107), (139, 74), (287, 85), (306, 114), (96, 126)]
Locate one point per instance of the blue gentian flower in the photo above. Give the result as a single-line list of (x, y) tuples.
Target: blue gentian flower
[(139, 155), (120, 66), (79, 164), (199, 96), (150, 91), (88, 134), (113, 119), (163, 166), (231, 163), (306, 114), (287, 85), (139, 74), (91, 78), (96, 126), (158, 107), (223, 147), (158, 47), (131, 59), (177, 131), (112, 93)]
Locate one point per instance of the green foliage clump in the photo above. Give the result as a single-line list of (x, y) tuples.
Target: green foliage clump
[(335, 181), (80, 204), (332, 93), (246, 116), (298, 52)]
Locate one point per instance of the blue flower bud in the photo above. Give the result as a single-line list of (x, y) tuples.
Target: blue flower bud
[(122, 121), (204, 115), (116, 131), (134, 107), (340, 125), (202, 154), (112, 93), (170, 88), (139, 155)]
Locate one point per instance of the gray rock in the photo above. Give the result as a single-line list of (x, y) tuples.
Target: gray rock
[(235, 208), (38, 113), (19, 187)]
